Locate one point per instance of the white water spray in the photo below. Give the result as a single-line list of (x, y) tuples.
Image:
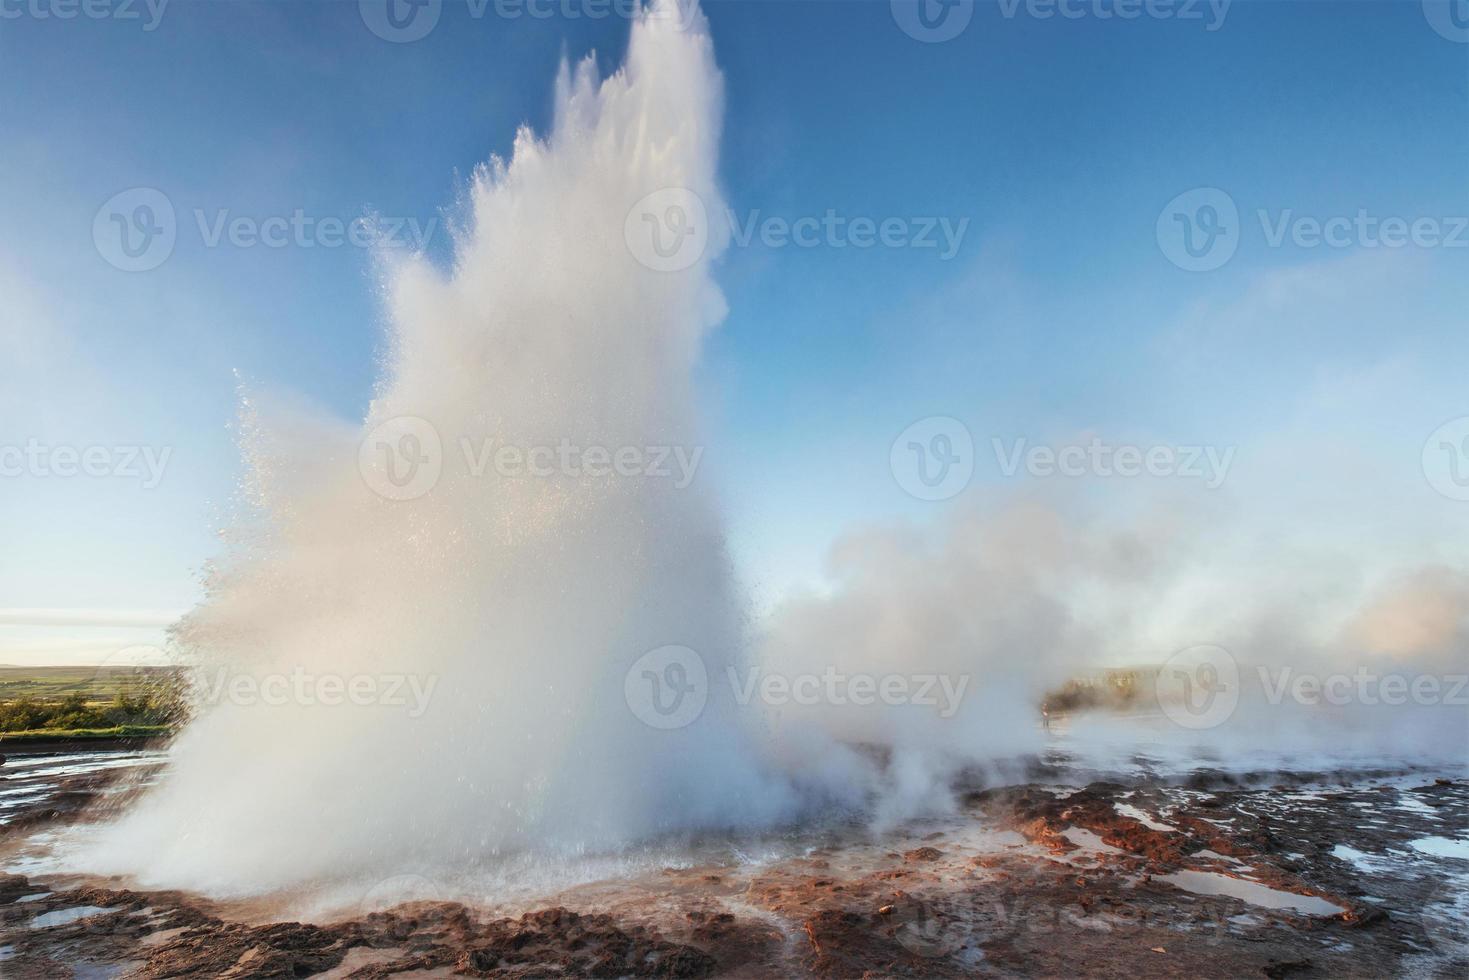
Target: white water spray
[(468, 619), (516, 601)]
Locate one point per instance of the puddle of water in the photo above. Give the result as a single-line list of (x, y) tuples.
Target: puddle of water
[(1213, 883), (63, 917), (1216, 856), (1141, 816), (1088, 841), (32, 898), (1360, 860), (99, 971), (31, 779), (1409, 802), (1442, 847)]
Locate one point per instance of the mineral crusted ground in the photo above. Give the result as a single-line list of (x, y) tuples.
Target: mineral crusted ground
[(1215, 875)]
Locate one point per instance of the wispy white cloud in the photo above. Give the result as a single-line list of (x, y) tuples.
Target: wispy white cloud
[(48, 647), (127, 618)]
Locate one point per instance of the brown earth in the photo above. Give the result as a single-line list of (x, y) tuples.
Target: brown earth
[(1011, 885)]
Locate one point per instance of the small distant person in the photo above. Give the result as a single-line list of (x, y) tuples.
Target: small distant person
[(1046, 715)]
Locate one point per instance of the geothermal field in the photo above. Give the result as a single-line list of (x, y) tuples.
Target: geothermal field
[(741, 537)]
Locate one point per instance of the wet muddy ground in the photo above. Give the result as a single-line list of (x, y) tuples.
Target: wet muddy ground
[(1308, 875)]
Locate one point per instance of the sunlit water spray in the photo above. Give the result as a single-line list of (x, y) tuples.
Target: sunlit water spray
[(464, 638), (506, 601)]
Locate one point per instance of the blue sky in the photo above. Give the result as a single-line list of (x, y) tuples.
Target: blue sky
[(1059, 141)]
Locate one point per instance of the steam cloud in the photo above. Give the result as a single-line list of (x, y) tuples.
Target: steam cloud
[(528, 600)]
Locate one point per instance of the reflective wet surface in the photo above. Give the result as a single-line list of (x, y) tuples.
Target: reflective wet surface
[(32, 780)]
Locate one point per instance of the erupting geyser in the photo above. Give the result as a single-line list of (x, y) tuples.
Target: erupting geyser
[(442, 613), (521, 599)]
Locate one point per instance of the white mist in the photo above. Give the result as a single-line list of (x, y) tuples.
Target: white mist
[(523, 599)]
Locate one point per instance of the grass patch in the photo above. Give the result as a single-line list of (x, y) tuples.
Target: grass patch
[(111, 701), (82, 734), (92, 683)]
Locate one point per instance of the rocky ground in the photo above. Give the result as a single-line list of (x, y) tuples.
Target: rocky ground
[(1312, 875)]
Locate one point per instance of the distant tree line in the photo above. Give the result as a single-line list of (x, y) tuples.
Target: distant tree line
[(157, 703), (1112, 689)]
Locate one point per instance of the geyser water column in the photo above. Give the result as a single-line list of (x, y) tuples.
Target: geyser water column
[(436, 611)]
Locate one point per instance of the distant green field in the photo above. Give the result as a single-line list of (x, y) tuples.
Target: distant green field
[(90, 702), (93, 683), (117, 731)]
